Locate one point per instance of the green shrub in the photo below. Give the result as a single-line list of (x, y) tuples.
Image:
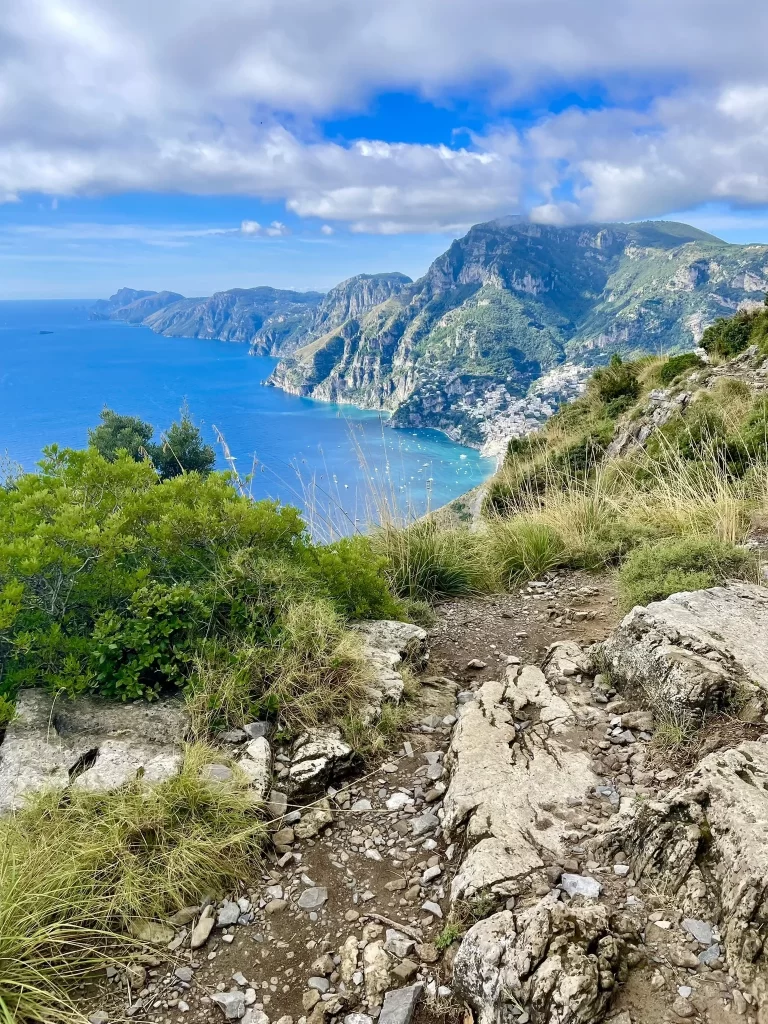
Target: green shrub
[(148, 649), (181, 450), (675, 366), (118, 433), (114, 581), (353, 576), (426, 561), (616, 383), (728, 336), (654, 571)]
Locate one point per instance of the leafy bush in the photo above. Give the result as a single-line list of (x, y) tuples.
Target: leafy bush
[(616, 382), (114, 581), (728, 336), (181, 450), (675, 366), (149, 648), (118, 433), (654, 571), (353, 576)]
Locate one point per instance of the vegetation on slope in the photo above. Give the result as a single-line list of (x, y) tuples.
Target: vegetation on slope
[(77, 873)]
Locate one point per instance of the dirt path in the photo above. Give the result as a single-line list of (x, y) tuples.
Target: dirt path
[(353, 904)]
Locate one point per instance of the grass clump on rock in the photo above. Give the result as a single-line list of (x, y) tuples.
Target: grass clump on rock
[(77, 872)]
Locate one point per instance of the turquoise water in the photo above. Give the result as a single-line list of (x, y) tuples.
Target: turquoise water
[(53, 386)]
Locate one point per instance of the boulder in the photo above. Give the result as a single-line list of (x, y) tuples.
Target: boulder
[(561, 963), (386, 646), (695, 650), (87, 743), (320, 756), (515, 759), (706, 846)]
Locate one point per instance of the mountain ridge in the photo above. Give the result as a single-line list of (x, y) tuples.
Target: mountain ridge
[(504, 325), (508, 321)]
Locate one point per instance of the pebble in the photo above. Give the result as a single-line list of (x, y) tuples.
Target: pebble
[(314, 898), (232, 1004)]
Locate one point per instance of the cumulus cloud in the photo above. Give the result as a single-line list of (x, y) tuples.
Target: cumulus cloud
[(326, 229), (102, 96)]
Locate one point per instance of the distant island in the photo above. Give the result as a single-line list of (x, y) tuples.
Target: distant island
[(45, 332), (504, 326)]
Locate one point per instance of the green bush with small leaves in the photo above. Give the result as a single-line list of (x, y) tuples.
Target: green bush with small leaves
[(654, 571), (675, 366)]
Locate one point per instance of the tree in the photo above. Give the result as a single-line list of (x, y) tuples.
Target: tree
[(121, 433), (182, 450)]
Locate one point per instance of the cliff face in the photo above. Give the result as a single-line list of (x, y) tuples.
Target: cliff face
[(104, 308), (137, 312), (513, 302), (267, 319), (270, 320), (353, 298)]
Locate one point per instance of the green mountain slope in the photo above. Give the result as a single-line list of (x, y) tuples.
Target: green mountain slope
[(513, 302)]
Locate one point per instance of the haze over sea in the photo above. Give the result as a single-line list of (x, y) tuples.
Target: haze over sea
[(53, 386)]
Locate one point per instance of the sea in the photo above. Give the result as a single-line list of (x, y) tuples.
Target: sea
[(344, 467)]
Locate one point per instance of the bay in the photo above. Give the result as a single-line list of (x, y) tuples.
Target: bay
[(338, 463)]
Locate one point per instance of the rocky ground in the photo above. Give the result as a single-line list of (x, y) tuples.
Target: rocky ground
[(525, 853)]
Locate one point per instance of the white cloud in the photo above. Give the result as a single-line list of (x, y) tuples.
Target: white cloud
[(326, 229), (102, 96), (250, 227), (277, 229)]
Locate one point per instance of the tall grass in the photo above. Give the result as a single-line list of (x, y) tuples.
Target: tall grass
[(76, 869), (426, 560), (312, 671)]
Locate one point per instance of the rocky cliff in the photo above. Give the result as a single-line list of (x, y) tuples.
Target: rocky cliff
[(272, 321), (267, 319), (511, 302)]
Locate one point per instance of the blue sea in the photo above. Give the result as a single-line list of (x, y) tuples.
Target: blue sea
[(334, 461)]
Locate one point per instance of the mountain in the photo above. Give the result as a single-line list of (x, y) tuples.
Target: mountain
[(267, 319), (136, 312), (354, 297), (511, 318), (272, 321), (104, 308)]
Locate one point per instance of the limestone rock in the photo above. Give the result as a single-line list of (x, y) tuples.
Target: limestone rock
[(705, 844), (387, 645), (202, 930), (314, 820), (559, 963), (156, 933), (515, 756), (695, 649), (348, 956), (256, 763), (89, 743), (232, 1004), (400, 1004), (319, 756), (376, 968)]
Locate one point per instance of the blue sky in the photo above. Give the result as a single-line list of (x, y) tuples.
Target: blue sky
[(198, 147)]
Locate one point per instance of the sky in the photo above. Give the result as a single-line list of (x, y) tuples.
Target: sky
[(199, 146)]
